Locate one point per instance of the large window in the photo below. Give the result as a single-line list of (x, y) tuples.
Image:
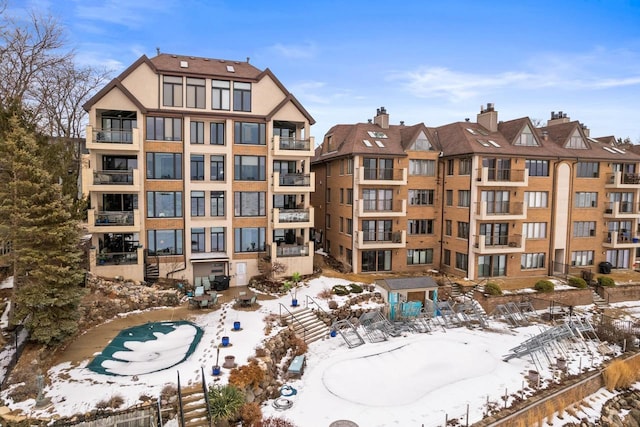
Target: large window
[(584, 228), (497, 201), (172, 91), (217, 133), (376, 260), (462, 261), (197, 240), (421, 197), (463, 230), (446, 257), (217, 168), (587, 169), (586, 199), (419, 256), (164, 166), (249, 168), (464, 168), (492, 265), (249, 203), (449, 197), (220, 94), (495, 234), (197, 133), (165, 242), (464, 198), (532, 261), (526, 138), (249, 133), (197, 203), (497, 169), (536, 199), (376, 199), (350, 196), (349, 226), (582, 258), (377, 169), (161, 204), (197, 167), (420, 226), (241, 96), (249, 239), (376, 230), (195, 92), (218, 239), (537, 167), (164, 129), (422, 167), (534, 230), (217, 203)]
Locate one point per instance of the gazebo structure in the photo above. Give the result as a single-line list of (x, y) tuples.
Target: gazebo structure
[(408, 289)]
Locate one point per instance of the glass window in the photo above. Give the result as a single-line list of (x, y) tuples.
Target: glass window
[(162, 204), (584, 228), (217, 168), (376, 260), (464, 167), (421, 197), (349, 196), (450, 167), (419, 256), (531, 261), (220, 94), (463, 230), (197, 132), (218, 239), (197, 240), (164, 129), (526, 138), (349, 226), (350, 166), (446, 257), (587, 169), (536, 199), (197, 167), (537, 167), (582, 258), (534, 230), (241, 96), (249, 168), (249, 203), (327, 220), (197, 203), (217, 133), (249, 239), (172, 91), (422, 167), (164, 166), (449, 197), (464, 198), (249, 133), (492, 265), (217, 203), (448, 227), (586, 200), (195, 93), (165, 242), (420, 226), (462, 261)]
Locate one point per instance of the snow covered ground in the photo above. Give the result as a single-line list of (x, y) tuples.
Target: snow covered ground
[(415, 379)]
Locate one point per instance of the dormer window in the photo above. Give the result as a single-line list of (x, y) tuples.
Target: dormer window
[(526, 137)]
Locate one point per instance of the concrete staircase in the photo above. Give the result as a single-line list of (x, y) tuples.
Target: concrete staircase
[(306, 325), (600, 302), (194, 406)]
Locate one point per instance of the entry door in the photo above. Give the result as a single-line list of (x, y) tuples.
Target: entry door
[(618, 258), (241, 274)]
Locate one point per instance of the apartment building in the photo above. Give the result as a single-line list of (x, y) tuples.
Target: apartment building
[(198, 167), (494, 198)]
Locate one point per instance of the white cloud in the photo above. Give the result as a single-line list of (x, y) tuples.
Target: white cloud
[(131, 14), (303, 51)]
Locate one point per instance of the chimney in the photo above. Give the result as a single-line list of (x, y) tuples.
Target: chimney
[(488, 117), (401, 122), (382, 118), (545, 135), (558, 118), (585, 130)]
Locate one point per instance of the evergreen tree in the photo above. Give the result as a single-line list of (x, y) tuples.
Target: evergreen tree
[(36, 218)]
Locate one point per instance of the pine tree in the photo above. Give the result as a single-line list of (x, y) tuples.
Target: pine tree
[(36, 218)]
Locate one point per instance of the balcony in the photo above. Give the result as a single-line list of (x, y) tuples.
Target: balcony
[(381, 208), (112, 180), (620, 240), (621, 210), (486, 245), (117, 258), (622, 180), (384, 176), (113, 139), (113, 221), (381, 240), (292, 147), (296, 257), (491, 177), (294, 182), (293, 218), (494, 211)]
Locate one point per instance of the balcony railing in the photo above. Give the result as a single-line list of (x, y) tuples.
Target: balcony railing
[(295, 180), (113, 136), (383, 174), (294, 144), (498, 243), (116, 258), (501, 208), (382, 236), (292, 251), (105, 218), (623, 180), (622, 209), (111, 177), (510, 177), (293, 215)]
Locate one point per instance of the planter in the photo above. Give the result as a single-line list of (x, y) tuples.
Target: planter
[(333, 333), (215, 371), (294, 302), (236, 326), (229, 362), (225, 341)]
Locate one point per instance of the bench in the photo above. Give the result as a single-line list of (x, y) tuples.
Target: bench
[(296, 367)]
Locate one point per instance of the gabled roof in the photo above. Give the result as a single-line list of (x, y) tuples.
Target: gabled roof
[(360, 139), (512, 129)]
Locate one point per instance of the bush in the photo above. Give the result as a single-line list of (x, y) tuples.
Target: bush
[(577, 282), (606, 281), (276, 422), (225, 402), (355, 288), (492, 288), (333, 304), (544, 286), (340, 290), (246, 375), (251, 414)]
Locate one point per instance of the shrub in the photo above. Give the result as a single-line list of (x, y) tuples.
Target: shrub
[(225, 401), (333, 304), (492, 288), (299, 346), (276, 422), (251, 414), (606, 281), (577, 282), (246, 375), (340, 290), (544, 286), (355, 288), (326, 293)]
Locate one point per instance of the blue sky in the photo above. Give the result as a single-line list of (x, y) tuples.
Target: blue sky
[(425, 61)]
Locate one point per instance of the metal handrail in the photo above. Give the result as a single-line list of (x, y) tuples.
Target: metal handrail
[(180, 402), (293, 317), (206, 396), (306, 302)]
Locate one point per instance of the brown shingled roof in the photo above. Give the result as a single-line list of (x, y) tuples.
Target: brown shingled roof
[(168, 63)]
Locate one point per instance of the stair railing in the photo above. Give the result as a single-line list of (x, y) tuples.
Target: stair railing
[(313, 301), (293, 317), (180, 402), (206, 396)]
